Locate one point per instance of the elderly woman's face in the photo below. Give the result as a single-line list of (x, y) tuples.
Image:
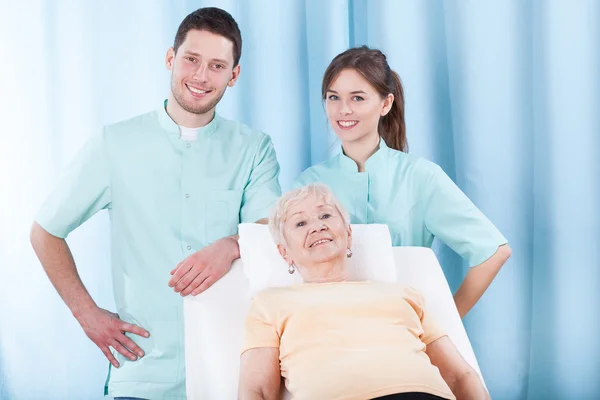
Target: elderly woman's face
[(315, 232)]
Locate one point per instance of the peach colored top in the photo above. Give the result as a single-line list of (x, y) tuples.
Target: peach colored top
[(347, 340)]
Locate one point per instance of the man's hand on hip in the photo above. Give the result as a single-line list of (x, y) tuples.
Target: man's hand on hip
[(199, 271), (105, 329)]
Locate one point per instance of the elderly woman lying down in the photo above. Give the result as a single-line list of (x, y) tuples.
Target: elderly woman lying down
[(336, 338)]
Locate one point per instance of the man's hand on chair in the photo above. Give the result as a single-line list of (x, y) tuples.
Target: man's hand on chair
[(200, 270)]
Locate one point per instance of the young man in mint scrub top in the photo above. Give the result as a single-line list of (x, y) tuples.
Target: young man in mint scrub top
[(176, 182)]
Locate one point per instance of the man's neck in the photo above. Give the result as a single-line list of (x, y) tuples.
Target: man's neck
[(360, 150), (184, 118)]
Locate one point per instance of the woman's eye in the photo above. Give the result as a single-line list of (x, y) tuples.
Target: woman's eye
[(357, 98), (300, 224), (333, 97), (191, 59), (325, 216)]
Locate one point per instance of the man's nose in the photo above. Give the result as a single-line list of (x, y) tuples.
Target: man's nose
[(201, 73)]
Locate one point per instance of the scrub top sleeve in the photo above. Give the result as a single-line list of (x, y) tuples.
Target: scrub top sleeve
[(262, 190), (83, 190), (301, 181), (454, 219)]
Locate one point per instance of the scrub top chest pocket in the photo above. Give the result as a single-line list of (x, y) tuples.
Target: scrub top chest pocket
[(222, 214)]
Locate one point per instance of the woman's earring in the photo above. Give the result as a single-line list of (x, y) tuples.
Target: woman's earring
[(291, 268), (348, 253)]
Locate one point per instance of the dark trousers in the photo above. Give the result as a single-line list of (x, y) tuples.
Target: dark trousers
[(410, 396)]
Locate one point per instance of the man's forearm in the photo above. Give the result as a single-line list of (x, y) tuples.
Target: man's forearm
[(469, 387), (56, 259)]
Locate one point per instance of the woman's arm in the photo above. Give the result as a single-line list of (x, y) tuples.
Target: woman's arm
[(478, 279), (453, 218), (259, 374), (458, 374)]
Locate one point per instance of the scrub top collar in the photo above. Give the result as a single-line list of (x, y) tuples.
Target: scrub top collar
[(172, 128), (375, 162)]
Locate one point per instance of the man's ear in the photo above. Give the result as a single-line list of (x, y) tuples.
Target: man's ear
[(235, 74), (170, 58)]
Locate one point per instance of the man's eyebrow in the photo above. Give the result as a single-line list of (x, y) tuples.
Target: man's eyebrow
[(193, 53), (218, 60)]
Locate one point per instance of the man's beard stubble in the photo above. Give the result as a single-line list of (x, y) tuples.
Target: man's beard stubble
[(200, 109)]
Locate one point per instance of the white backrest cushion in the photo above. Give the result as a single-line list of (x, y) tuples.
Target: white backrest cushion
[(264, 267)]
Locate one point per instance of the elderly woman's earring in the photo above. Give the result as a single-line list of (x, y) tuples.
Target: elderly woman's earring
[(291, 268), (348, 253)]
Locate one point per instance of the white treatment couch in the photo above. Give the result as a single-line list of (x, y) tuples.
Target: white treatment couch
[(214, 322)]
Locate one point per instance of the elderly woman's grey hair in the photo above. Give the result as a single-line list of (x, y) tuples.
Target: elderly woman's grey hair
[(295, 196)]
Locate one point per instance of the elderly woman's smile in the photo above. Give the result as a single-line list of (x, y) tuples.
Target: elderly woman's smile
[(320, 242)]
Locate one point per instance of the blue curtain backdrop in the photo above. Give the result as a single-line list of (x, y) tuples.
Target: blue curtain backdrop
[(504, 95)]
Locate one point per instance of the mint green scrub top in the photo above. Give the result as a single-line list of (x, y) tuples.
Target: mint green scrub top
[(413, 196), (167, 198)]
